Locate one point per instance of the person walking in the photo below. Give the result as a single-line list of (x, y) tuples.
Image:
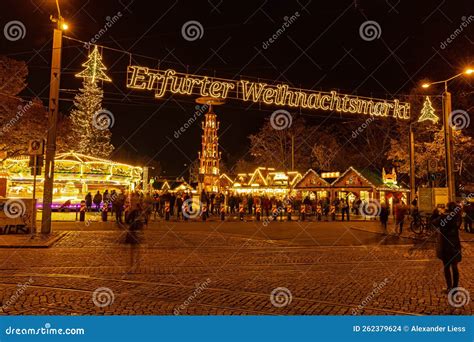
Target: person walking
[(468, 215), (172, 202), (400, 212), (345, 209), (250, 205), (384, 212), (448, 246), (267, 205), (118, 203), (97, 200), (106, 196), (179, 206), (88, 201)]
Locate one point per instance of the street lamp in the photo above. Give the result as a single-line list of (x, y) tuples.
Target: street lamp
[(448, 132), (52, 121)]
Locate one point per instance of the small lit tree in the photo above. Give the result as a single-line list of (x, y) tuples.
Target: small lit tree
[(428, 112)]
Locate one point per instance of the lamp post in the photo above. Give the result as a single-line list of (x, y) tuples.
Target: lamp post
[(448, 132), (52, 121), (412, 164)]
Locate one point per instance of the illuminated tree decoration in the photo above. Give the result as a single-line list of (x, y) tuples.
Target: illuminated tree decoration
[(87, 136), (94, 68), (428, 112)]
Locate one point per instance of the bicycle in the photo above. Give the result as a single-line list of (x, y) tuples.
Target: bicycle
[(420, 224)]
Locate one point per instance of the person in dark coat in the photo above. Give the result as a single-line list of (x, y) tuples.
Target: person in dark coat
[(88, 200), (468, 212), (179, 206), (172, 202), (118, 203), (448, 247), (97, 200), (384, 212), (400, 213)]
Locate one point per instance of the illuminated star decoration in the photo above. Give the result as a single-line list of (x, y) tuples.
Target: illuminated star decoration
[(428, 112), (94, 68)]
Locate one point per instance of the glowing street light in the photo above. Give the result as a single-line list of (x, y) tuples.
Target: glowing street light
[(448, 132)]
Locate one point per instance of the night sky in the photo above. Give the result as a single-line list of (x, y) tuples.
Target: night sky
[(322, 50)]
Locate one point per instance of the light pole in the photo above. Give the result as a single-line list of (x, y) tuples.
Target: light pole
[(412, 164), (448, 132), (52, 121)]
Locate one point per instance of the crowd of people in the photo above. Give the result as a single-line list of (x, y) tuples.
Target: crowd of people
[(168, 205)]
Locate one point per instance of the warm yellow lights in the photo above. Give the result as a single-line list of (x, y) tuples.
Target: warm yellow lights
[(330, 174), (64, 26), (467, 71), (163, 81)]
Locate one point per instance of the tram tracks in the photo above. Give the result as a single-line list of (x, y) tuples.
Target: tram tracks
[(263, 297)]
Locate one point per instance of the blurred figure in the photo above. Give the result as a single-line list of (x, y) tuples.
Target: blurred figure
[(448, 246), (384, 213), (345, 209), (147, 207), (179, 206), (97, 200), (468, 213), (400, 212), (118, 203), (88, 201)]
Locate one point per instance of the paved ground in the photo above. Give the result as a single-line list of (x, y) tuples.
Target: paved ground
[(228, 268)]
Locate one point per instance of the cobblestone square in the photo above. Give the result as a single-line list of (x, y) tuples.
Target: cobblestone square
[(230, 268)]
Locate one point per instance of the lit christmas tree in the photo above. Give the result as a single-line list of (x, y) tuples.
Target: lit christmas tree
[(90, 122), (94, 68), (428, 112)]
